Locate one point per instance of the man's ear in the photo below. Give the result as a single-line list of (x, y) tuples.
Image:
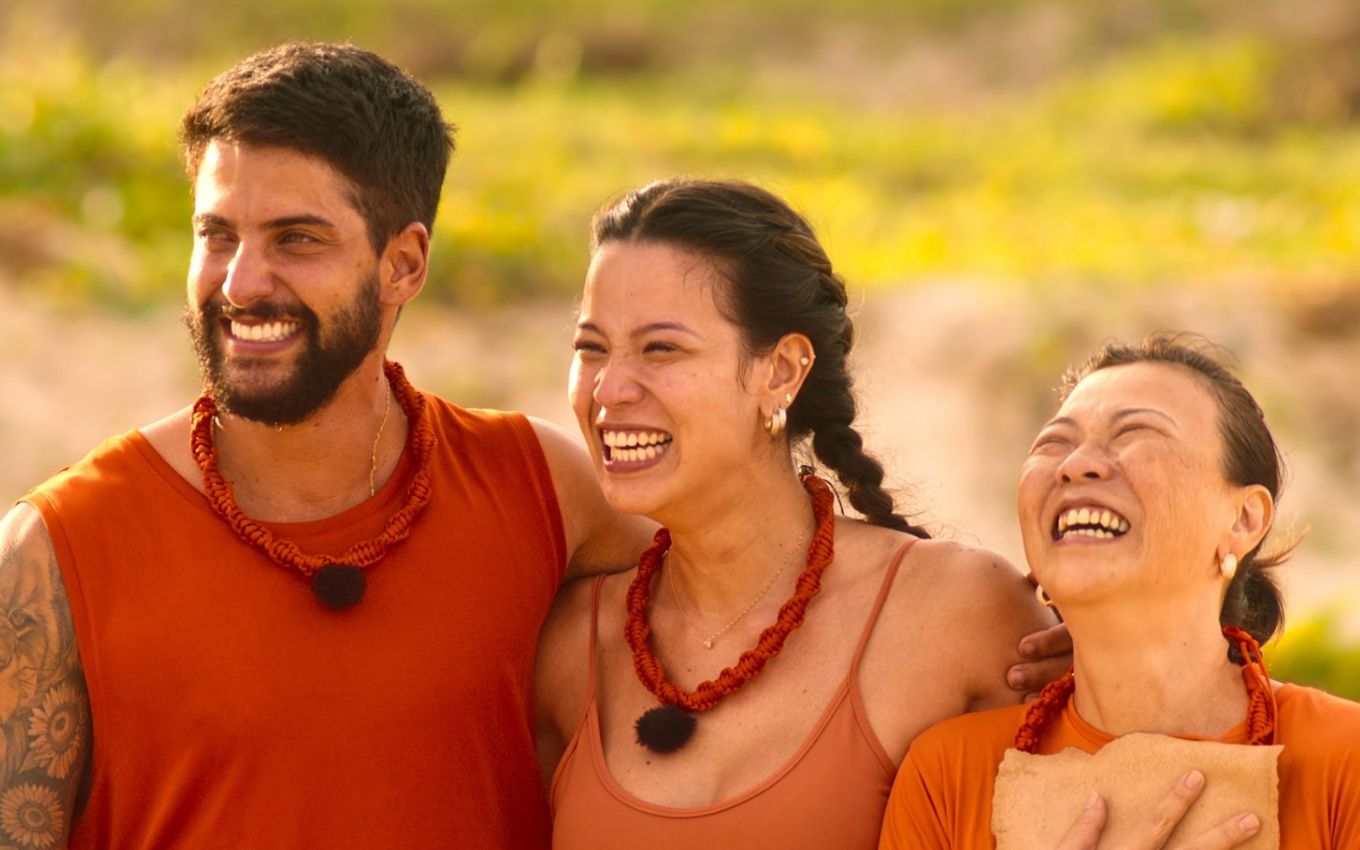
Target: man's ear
[(404, 264)]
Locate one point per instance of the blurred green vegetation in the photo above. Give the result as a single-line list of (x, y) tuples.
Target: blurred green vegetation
[(1184, 149), (1312, 652)]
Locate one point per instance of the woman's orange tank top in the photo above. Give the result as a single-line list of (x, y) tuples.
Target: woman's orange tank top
[(831, 793)]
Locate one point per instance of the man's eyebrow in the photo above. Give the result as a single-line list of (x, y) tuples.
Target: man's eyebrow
[(209, 218), (272, 224)]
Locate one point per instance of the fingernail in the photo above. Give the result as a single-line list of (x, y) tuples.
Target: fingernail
[(1026, 648), (1193, 779), (1092, 801), (1015, 679), (1249, 824)]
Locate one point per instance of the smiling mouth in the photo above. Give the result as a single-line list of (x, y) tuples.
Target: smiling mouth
[(1099, 523), (274, 331), (634, 446)]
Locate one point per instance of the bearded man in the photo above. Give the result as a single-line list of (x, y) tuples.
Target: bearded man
[(301, 612)]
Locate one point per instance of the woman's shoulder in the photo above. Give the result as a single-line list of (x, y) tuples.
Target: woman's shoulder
[(946, 566), (949, 580), (1314, 720)]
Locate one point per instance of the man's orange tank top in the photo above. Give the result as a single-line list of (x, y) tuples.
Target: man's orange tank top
[(231, 710), (831, 793)]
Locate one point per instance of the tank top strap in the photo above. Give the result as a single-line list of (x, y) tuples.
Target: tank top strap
[(889, 575), (595, 590)]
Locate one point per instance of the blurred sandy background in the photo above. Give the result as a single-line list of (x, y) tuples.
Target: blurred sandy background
[(1005, 185)]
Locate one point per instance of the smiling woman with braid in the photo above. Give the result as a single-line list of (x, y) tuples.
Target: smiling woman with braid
[(1144, 505), (757, 678)]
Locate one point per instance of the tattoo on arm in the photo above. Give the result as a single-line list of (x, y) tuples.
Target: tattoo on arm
[(45, 731)]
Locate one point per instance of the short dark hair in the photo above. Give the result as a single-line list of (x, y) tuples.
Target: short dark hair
[(1250, 456), (776, 279), (369, 120)]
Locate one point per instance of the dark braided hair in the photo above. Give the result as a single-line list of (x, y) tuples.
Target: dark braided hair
[(1250, 456), (778, 281)]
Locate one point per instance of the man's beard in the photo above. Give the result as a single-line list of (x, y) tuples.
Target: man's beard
[(320, 369)]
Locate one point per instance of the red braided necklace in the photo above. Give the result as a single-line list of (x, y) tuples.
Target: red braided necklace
[(668, 727), (338, 581), (1260, 697)]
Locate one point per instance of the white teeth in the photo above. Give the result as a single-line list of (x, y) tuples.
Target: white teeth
[(1091, 522), (622, 453), (631, 439), (266, 332)]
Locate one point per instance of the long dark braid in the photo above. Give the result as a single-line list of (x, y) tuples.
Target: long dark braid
[(780, 281)]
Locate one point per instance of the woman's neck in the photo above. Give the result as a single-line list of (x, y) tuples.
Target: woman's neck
[(1157, 668), (726, 552)]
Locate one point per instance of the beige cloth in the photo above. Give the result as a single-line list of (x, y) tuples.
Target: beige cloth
[(1038, 797)]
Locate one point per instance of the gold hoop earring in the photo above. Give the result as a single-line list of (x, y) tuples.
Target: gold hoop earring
[(1043, 598), (1228, 566), (775, 424)]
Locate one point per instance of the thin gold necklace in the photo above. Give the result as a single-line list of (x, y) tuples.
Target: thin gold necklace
[(373, 460), (708, 642)]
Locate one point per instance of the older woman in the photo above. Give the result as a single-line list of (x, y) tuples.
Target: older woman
[(712, 340), (1143, 506)]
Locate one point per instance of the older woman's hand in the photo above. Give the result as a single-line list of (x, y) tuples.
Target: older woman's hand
[(1153, 833)]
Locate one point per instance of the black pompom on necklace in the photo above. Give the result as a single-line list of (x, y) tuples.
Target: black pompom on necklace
[(339, 581)]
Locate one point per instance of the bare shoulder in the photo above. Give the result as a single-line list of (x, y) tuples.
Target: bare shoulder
[(561, 671), (598, 538), (971, 607), (955, 568), (44, 709)]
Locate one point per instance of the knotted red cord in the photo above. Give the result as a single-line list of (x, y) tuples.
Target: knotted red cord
[(285, 552), (771, 640)]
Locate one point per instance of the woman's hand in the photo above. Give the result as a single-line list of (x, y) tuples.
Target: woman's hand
[(1049, 654), (1153, 833)]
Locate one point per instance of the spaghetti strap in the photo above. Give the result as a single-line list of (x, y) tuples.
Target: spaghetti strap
[(594, 633), (888, 577)]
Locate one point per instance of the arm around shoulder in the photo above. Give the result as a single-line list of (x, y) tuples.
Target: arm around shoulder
[(598, 538), (44, 707)]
